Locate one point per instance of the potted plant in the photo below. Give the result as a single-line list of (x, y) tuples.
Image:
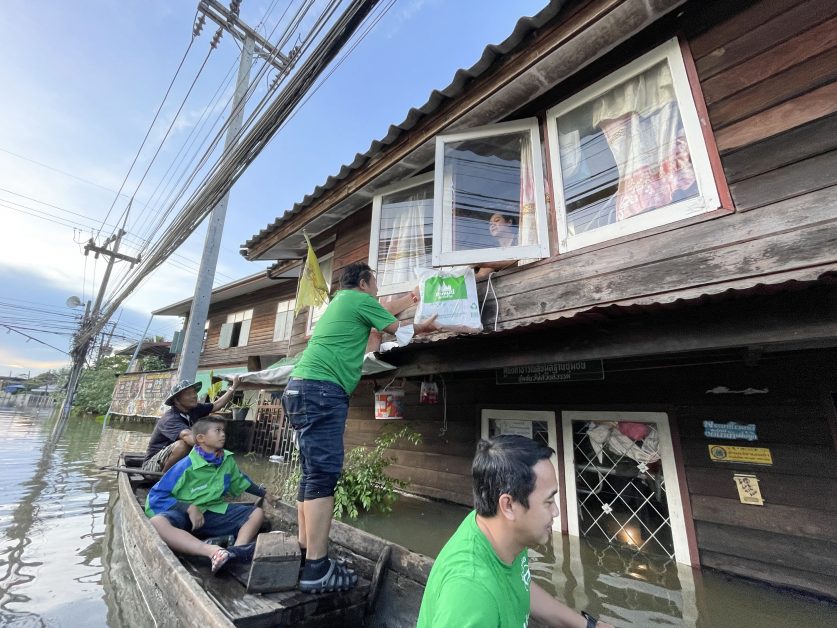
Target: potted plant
[(240, 409)]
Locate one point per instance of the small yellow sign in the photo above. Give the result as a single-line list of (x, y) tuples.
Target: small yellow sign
[(747, 455), (748, 489)]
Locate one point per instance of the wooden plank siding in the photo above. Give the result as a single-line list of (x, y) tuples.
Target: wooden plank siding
[(260, 341)]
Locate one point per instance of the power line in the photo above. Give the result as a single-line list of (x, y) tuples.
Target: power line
[(148, 132), (35, 339)]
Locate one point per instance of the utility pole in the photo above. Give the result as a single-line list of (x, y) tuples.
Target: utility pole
[(253, 44), (80, 348)]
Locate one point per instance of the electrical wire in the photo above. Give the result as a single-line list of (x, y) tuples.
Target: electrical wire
[(150, 127)]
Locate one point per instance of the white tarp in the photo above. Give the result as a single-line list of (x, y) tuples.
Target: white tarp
[(277, 377)]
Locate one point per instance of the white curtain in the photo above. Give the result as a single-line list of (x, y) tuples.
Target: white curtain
[(527, 221), (402, 247), (641, 122)]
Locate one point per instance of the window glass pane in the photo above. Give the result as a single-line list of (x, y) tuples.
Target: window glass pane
[(625, 153), (489, 188), (405, 236), (284, 321)]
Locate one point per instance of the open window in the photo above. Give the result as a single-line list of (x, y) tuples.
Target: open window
[(314, 313), (628, 153), (236, 331), (284, 320), (489, 202), (402, 233)]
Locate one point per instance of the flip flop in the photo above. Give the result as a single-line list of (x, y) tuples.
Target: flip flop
[(337, 578), (219, 559)]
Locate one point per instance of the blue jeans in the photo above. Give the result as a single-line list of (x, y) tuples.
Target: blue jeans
[(214, 524), (317, 411)]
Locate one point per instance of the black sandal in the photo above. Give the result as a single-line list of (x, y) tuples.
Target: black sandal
[(337, 578)]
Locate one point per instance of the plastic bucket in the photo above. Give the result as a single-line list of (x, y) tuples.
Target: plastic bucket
[(389, 403)]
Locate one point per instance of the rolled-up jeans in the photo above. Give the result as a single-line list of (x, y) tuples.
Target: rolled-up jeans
[(317, 411)]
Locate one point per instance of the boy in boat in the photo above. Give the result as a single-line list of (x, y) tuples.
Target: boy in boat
[(188, 501), (172, 438), (482, 577)]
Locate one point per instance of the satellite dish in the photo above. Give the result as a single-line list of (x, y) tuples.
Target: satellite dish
[(73, 301)]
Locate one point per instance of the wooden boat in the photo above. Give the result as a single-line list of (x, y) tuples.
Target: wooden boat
[(182, 590)]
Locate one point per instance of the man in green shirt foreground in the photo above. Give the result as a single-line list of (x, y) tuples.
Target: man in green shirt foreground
[(481, 577), (316, 402)]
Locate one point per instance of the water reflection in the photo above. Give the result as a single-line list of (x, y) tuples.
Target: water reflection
[(62, 562), (56, 510)]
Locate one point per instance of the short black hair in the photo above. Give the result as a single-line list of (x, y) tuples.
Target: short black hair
[(504, 464), (510, 219), (354, 273), (202, 426)]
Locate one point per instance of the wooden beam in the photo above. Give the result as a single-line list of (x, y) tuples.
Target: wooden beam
[(807, 319)]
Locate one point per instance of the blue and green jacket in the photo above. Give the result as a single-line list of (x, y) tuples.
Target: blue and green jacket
[(193, 480)]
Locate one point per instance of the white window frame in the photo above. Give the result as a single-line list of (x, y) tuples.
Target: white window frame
[(673, 496), (285, 305), (314, 313), (244, 317), (443, 242), (552, 436), (374, 238), (708, 198)]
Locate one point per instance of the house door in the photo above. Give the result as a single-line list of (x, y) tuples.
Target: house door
[(534, 424), (622, 484)]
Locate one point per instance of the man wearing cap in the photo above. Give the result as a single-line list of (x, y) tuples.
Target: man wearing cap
[(172, 438)]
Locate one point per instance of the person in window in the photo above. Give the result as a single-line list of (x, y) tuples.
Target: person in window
[(172, 438), (481, 577), (316, 402), (503, 228)]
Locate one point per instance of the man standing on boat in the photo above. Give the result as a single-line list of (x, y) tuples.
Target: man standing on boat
[(482, 577), (316, 402), (172, 438)]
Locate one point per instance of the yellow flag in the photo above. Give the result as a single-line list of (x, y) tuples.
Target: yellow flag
[(313, 290)]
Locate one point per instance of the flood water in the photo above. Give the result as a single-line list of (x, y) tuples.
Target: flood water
[(62, 562)]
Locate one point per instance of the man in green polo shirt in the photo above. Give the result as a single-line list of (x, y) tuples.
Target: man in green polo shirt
[(316, 402), (481, 577)]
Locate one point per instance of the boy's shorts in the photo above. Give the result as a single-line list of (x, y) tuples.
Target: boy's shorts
[(214, 524)]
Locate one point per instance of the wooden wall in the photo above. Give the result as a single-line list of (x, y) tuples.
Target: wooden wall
[(260, 341), (788, 541), (768, 78)]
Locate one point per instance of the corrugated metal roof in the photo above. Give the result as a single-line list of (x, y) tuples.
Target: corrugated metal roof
[(598, 315), (491, 56)]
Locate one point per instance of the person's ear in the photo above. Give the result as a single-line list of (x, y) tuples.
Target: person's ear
[(505, 506)]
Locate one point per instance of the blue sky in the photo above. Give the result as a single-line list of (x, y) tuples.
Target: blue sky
[(82, 82)]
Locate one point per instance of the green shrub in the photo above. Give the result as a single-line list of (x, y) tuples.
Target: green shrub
[(364, 484)]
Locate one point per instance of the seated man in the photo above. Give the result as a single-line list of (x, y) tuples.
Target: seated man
[(172, 439), (481, 577), (188, 501)]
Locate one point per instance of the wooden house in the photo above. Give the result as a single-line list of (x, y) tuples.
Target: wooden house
[(664, 312)]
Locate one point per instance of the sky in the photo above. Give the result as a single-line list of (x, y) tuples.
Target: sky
[(82, 82)]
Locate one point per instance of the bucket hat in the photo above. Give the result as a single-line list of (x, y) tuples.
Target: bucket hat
[(179, 387)]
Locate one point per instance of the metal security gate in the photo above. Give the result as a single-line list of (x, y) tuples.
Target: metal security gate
[(622, 483)]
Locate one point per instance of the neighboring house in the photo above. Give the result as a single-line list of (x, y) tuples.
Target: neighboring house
[(161, 350), (247, 328), (666, 321)]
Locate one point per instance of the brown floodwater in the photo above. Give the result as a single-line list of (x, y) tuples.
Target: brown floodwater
[(62, 561)]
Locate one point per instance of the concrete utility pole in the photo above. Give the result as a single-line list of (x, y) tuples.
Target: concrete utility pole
[(253, 44), (80, 349)]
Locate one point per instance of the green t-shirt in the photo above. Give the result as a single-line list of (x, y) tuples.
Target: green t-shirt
[(470, 586), (335, 351)]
